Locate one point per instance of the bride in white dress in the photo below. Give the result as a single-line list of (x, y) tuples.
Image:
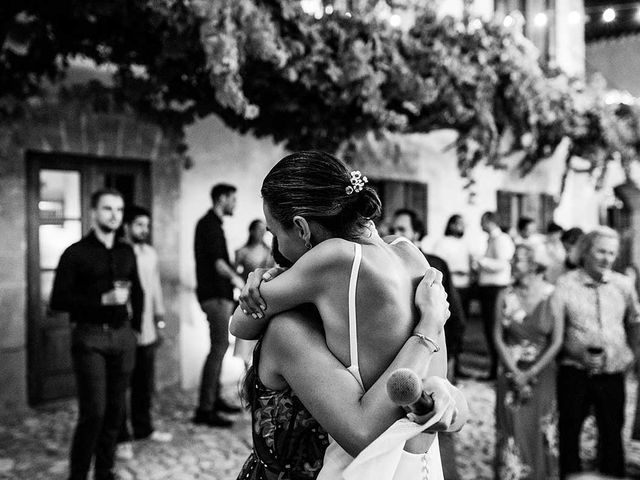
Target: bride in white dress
[(363, 289)]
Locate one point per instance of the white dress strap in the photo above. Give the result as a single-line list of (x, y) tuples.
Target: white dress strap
[(354, 368)]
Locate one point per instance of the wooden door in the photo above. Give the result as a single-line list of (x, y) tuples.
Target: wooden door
[(59, 188)]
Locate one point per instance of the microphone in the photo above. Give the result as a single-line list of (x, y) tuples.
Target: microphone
[(404, 388)]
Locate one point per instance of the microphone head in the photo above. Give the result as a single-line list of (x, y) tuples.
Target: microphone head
[(404, 387)]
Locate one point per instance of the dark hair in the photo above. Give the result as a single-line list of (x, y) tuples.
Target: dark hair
[(314, 185), (572, 235), (416, 223), (255, 223), (490, 217), (452, 219), (220, 190), (278, 257), (553, 227), (134, 212), (524, 222), (98, 194)]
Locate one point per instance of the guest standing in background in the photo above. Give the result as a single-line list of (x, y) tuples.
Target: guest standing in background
[(216, 280), (137, 226), (570, 239), (255, 254), (97, 283), (453, 249), (556, 253), (600, 311), (494, 275), (527, 340)]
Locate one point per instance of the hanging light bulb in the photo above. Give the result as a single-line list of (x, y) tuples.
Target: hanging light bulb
[(609, 15), (395, 21), (540, 20)]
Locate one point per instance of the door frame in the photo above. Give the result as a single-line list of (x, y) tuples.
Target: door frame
[(89, 168)]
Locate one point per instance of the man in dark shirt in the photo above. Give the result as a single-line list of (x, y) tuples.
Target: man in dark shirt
[(216, 280), (407, 224), (96, 282)]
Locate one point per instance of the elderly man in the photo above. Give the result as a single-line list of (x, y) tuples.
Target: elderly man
[(601, 313)]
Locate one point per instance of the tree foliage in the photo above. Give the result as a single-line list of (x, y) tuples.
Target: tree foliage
[(267, 67)]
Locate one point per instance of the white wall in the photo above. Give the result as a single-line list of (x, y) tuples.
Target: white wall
[(220, 155)]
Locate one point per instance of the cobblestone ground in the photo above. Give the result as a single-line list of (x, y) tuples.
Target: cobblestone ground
[(36, 446)]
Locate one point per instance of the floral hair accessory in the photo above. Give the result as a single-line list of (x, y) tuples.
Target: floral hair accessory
[(357, 182)]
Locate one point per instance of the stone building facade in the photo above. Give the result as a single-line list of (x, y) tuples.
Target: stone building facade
[(62, 149)]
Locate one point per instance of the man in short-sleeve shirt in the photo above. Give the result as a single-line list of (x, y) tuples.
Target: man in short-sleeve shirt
[(215, 282), (601, 315)]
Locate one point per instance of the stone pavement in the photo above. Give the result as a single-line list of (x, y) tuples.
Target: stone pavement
[(36, 446)]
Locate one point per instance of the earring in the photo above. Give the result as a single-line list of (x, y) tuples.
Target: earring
[(307, 245)]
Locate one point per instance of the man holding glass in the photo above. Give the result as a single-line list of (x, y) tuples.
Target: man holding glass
[(97, 283), (602, 322)]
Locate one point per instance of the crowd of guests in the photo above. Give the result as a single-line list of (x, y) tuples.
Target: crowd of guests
[(562, 329), (560, 324)]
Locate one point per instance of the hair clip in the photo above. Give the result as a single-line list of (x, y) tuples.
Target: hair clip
[(357, 182)]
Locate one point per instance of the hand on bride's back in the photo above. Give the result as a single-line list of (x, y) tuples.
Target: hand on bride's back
[(431, 300)]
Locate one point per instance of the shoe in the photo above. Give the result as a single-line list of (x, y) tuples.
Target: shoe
[(124, 451), (211, 419), (216, 420), (224, 407), (162, 437)]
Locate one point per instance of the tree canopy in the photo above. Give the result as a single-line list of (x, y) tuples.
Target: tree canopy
[(267, 67)]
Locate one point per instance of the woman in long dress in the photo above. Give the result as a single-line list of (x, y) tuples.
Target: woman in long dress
[(335, 359), (528, 342)]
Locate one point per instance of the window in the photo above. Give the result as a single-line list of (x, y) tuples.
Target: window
[(400, 194), (513, 205)]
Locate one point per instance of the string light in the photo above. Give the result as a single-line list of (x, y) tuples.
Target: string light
[(508, 21), (328, 9), (609, 15)]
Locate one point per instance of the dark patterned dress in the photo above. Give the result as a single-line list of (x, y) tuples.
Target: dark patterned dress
[(526, 426), (288, 443)]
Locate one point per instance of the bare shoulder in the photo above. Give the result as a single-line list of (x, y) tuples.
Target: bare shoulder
[(328, 254), (408, 250), (292, 333)]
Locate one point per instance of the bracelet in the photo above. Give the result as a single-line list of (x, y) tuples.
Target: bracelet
[(429, 342)]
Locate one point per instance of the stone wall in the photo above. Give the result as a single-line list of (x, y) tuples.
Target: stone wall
[(72, 127)]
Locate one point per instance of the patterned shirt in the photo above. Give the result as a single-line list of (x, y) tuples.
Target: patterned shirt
[(596, 313)]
